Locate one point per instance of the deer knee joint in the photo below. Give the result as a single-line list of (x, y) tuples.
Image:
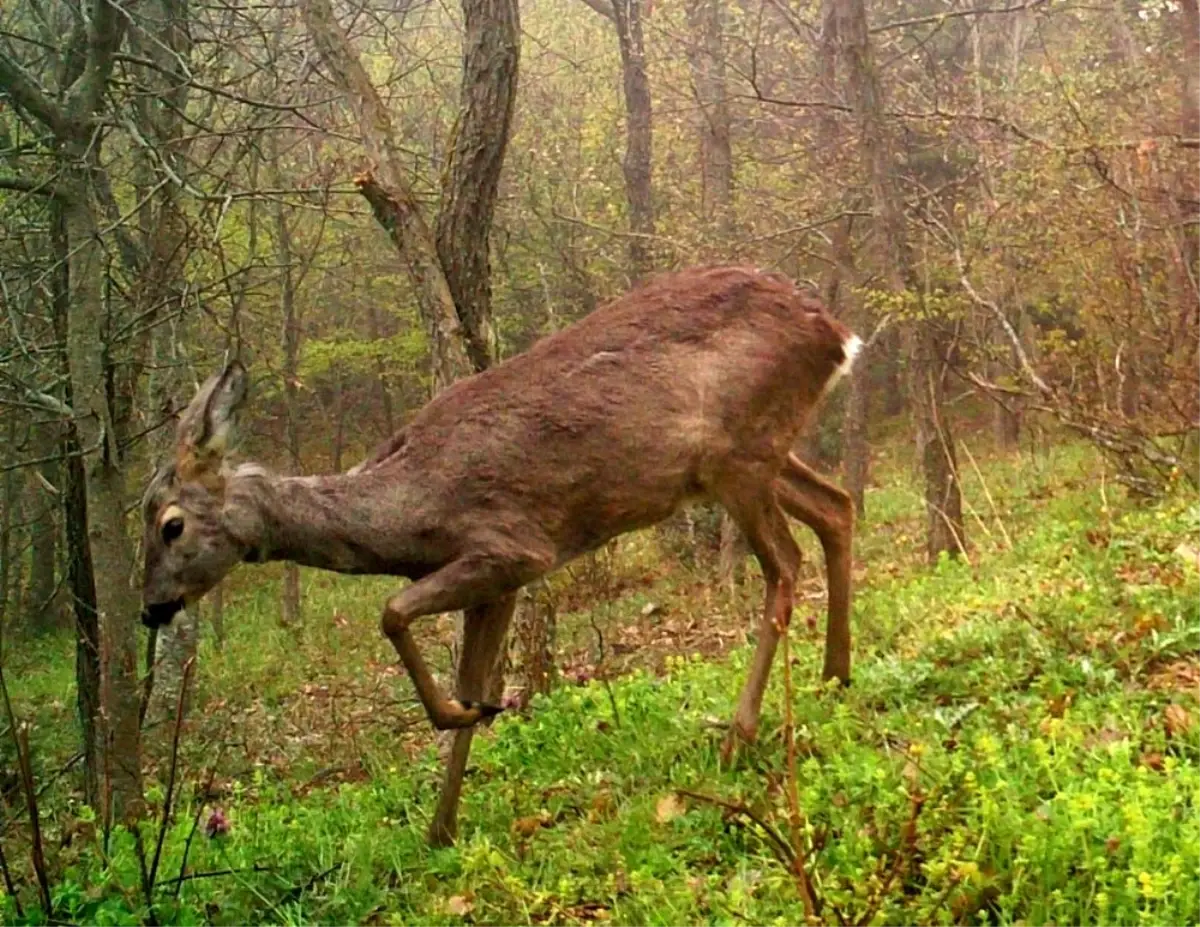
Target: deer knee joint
[(394, 620)]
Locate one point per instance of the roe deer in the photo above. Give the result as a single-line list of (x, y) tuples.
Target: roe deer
[(695, 385)]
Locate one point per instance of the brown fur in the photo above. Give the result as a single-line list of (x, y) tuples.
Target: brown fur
[(696, 385)]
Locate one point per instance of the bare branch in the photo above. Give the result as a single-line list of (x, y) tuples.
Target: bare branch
[(46, 187), (1006, 326), (952, 14), (603, 7), (25, 92), (105, 33), (806, 227)]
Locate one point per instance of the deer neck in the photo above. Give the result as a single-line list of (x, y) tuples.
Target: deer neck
[(347, 523)]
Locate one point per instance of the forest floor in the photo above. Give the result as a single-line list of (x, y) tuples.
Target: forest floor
[(1020, 745)]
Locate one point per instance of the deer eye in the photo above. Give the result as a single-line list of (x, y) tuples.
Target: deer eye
[(171, 529)]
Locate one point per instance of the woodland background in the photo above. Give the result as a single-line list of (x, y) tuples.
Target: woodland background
[(367, 202)]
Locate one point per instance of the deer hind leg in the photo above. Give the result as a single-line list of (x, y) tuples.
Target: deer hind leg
[(766, 530), (829, 512), (484, 629), (467, 583)]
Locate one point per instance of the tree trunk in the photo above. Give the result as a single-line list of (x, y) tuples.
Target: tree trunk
[(80, 576), (1189, 85), (101, 554), (840, 282), (178, 642), (706, 59), (535, 632), (108, 540), (41, 600), (391, 199), (935, 443), (8, 501), (637, 165), (81, 583), (732, 554), (290, 604), (385, 393), (491, 53), (1183, 263)]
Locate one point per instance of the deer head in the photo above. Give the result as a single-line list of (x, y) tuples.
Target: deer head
[(190, 539)]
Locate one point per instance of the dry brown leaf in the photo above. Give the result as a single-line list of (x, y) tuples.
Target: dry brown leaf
[(1189, 555), (1057, 706), (669, 808), (603, 807), (526, 827), (1151, 761), (459, 905), (1176, 720)]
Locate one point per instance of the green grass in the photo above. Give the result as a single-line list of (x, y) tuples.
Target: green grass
[(1034, 701)]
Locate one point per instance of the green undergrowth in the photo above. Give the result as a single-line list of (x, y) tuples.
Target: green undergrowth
[(1019, 745)]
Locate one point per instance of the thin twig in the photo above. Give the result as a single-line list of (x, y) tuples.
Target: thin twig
[(216, 873), (45, 787), (295, 893), (187, 844), (20, 738), (612, 698), (9, 887), (37, 850), (148, 679), (988, 495), (165, 822), (1005, 325), (795, 815), (781, 846)]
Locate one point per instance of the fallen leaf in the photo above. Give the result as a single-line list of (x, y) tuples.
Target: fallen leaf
[(602, 807), (459, 906), (1057, 706), (1151, 761), (1103, 737), (669, 808), (526, 827), (1176, 720), (1189, 555)]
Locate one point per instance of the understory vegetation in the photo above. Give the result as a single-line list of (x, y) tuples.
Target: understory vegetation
[(1019, 744)]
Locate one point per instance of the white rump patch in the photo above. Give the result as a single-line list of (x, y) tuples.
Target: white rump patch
[(851, 348)]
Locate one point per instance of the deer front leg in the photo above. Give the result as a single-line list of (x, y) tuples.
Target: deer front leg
[(467, 583), (767, 531), (484, 629)]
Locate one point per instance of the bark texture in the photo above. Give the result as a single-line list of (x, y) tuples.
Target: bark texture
[(639, 147), (922, 339), (841, 277), (706, 58), (491, 53)]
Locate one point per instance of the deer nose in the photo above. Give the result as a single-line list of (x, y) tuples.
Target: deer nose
[(157, 614)]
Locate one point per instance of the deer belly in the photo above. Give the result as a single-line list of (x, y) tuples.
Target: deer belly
[(599, 515)]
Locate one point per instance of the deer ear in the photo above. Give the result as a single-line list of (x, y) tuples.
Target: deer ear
[(206, 426)]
